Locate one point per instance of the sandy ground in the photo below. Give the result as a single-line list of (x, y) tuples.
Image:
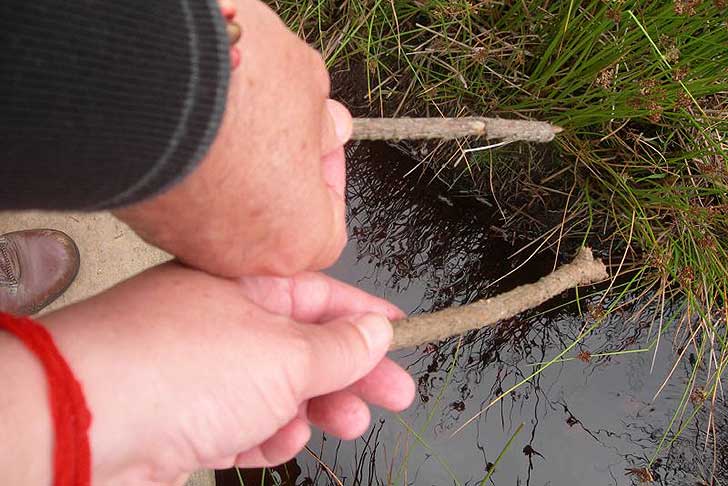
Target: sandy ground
[(110, 253)]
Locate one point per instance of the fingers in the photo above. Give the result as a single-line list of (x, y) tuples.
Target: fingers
[(336, 131), (345, 414), (329, 220), (342, 414), (282, 447), (335, 240), (333, 166), (387, 386), (336, 126), (340, 353), (313, 297)]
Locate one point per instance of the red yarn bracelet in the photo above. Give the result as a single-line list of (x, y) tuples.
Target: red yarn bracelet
[(71, 417)]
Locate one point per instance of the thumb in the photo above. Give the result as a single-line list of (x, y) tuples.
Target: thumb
[(344, 351), (336, 126)]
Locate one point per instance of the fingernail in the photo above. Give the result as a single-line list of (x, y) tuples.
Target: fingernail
[(342, 120), (377, 331), (234, 31)]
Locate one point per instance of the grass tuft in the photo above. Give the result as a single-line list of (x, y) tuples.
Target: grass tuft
[(642, 168)]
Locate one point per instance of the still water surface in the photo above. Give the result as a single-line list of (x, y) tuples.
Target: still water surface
[(425, 246)]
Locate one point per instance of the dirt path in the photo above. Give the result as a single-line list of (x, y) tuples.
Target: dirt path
[(110, 251)]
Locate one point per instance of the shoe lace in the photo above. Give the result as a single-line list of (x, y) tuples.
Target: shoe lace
[(7, 271)]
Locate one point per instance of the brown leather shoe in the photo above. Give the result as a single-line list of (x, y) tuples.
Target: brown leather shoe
[(36, 267)]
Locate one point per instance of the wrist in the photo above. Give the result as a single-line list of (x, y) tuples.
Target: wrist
[(24, 416), (31, 394), (90, 337), (76, 336)]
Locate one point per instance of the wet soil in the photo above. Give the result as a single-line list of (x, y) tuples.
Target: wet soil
[(588, 421)]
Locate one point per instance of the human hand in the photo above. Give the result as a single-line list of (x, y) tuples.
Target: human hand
[(269, 196), (182, 370)]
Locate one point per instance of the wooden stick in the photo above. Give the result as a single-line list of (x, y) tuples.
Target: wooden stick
[(452, 128), (201, 478), (425, 328)]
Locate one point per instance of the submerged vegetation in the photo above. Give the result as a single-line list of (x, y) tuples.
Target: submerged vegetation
[(641, 171)]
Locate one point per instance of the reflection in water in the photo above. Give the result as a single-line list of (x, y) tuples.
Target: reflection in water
[(587, 421), (411, 231)]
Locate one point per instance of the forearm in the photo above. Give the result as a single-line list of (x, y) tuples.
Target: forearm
[(84, 336), (25, 424), (106, 103)]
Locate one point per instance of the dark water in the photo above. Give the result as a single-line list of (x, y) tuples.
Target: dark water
[(425, 246)]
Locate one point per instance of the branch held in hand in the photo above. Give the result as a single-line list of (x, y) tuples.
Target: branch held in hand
[(424, 328), (452, 128)]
